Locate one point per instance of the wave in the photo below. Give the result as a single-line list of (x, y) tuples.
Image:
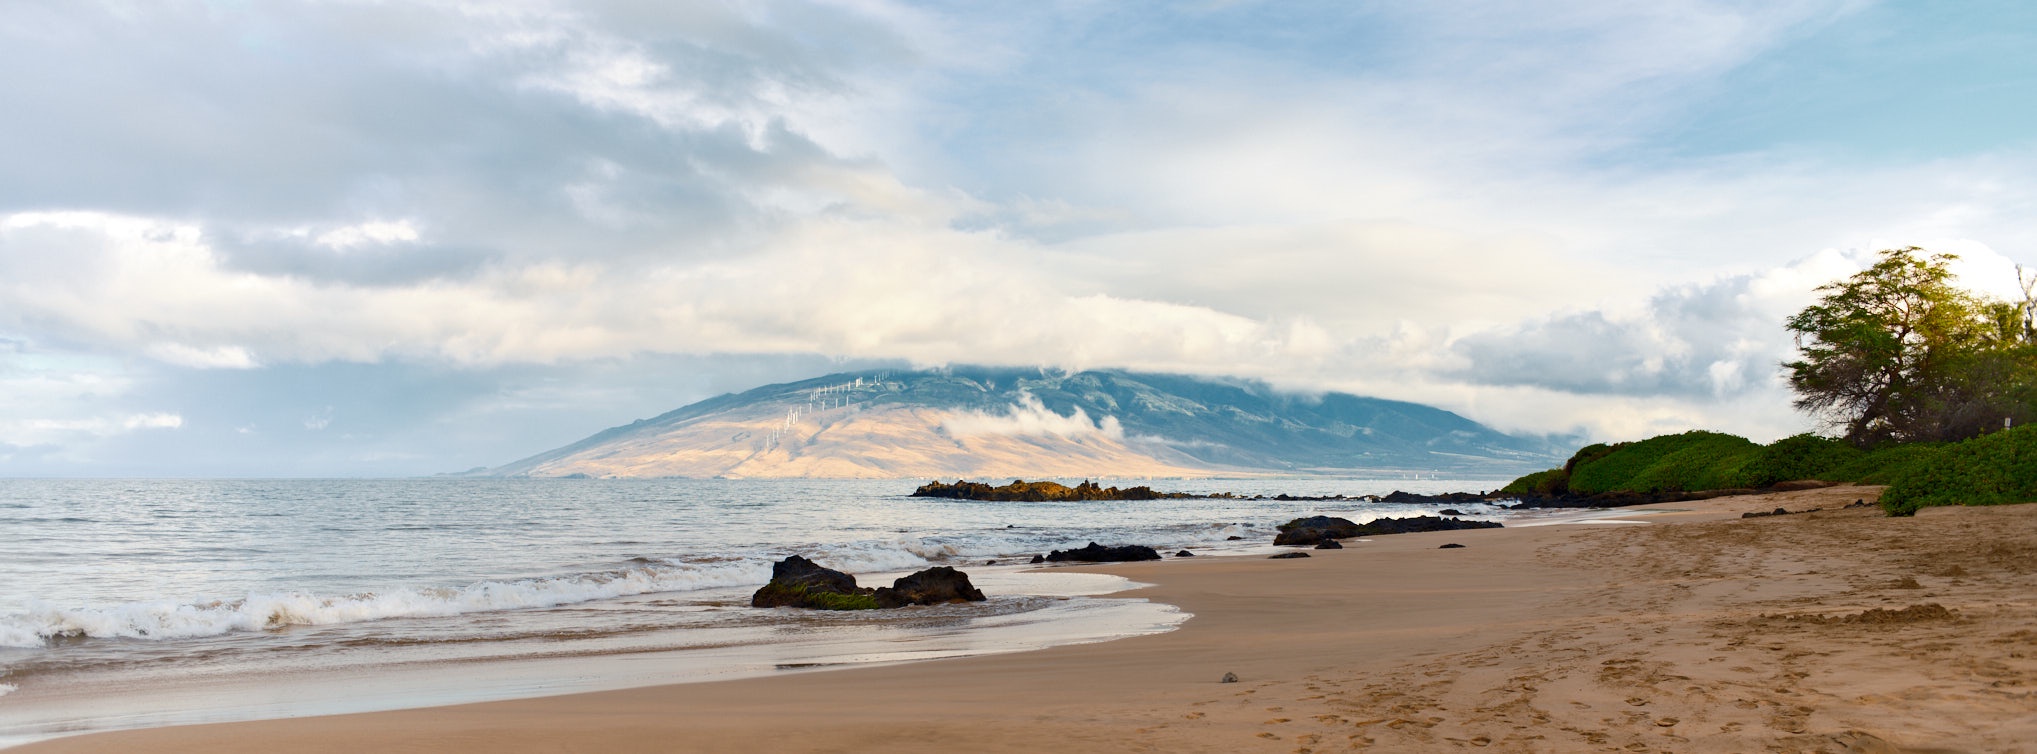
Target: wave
[(41, 621)]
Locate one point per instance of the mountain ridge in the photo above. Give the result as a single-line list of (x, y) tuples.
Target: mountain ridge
[(995, 421)]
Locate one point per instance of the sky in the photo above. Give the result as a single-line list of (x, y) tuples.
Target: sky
[(357, 238)]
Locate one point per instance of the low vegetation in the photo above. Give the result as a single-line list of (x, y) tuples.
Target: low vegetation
[(1923, 381), (1988, 470)]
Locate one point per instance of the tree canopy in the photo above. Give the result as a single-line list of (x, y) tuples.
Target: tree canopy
[(1897, 353)]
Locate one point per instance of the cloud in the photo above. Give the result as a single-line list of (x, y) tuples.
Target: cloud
[(99, 426), (1029, 418), (1715, 339), (1493, 208), (375, 232), (218, 357)]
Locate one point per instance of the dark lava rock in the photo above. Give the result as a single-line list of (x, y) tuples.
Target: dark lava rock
[(939, 585), (1184, 554), (1447, 498), (1451, 546), (1039, 492), (1316, 529), (1232, 538), (1096, 553), (1449, 512), (1039, 559), (1330, 544), (798, 582), (990, 562), (1286, 555)]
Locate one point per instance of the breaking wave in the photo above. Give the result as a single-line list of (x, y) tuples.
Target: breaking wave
[(172, 619)]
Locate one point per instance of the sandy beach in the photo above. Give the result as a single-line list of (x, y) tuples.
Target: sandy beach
[(1838, 630)]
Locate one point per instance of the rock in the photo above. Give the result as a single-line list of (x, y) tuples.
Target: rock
[(1286, 555), (1184, 554), (1039, 559), (1780, 512), (1451, 546), (798, 582), (1330, 544), (939, 585), (1303, 532), (1232, 538), (1447, 498), (1095, 553), (1315, 529), (990, 562), (1039, 492), (1449, 512), (1229, 678)]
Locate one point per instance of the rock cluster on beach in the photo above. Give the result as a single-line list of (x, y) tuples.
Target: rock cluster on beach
[(1035, 492), (1316, 530), (798, 582), (1039, 492), (1096, 553)]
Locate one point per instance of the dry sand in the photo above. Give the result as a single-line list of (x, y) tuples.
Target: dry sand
[(1699, 631)]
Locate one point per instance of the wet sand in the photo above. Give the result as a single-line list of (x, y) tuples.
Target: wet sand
[(1836, 631)]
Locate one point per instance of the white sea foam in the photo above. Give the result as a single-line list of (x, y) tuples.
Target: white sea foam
[(7, 688), (171, 619)]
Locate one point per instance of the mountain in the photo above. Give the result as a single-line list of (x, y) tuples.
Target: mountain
[(999, 422)]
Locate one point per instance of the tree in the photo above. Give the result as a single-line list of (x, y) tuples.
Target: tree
[(1881, 349), (2029, 306)]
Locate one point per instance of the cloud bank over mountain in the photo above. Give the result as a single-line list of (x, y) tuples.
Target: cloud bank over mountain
[(501, 217)]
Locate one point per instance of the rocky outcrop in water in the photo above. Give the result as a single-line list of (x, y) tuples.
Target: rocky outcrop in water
[(1095, 553), (939, 585), (1314, 530), (798, 582), (1040, 492)]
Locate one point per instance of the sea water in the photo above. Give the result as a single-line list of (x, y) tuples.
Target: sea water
[(127, 603)]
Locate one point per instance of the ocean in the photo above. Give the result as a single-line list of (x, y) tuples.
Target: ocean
[(131, 603)]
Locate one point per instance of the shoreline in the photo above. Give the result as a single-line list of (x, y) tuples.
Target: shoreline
[(1536, 638), (1037, 609)]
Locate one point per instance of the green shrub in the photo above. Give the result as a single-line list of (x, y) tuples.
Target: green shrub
[(1805, 456), (1988, 470), (1885, 464), (1695, 460), (1551, 482), (1590, 453)]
